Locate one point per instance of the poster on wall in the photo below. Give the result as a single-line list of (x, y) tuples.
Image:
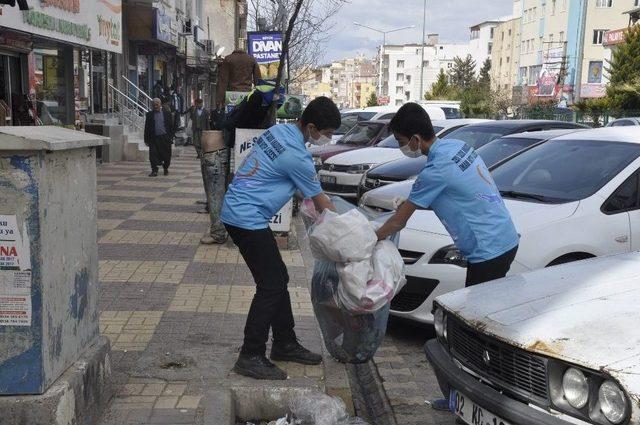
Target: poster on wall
[(266, 48), (548, 78), (15, 274), (245, 139), (96, 23), (595, 72)]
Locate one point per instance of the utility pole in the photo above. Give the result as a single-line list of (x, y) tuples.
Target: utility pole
[(424, 25)]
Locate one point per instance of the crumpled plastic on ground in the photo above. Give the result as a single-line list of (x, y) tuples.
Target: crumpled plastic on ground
[(353, 316), (318, 409)]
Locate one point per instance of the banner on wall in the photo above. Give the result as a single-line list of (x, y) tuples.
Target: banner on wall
[(548, 79), (92, 23), (266, 48)]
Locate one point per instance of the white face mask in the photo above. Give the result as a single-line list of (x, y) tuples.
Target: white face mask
[(321, 141), (407, 151)]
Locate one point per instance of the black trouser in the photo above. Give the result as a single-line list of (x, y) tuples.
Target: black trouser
[(490, 269), (160, 152), (271, 305)]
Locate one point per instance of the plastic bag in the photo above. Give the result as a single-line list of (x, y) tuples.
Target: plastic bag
[(321, 409), (368, 285), (343, 238)]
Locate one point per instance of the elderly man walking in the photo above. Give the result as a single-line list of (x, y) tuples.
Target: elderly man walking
[(158, 135)]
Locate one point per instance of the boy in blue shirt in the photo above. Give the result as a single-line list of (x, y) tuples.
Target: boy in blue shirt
[(457, 186), (278, 165)]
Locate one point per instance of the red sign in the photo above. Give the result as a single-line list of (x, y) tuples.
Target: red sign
[(383, 100), (614, 37)]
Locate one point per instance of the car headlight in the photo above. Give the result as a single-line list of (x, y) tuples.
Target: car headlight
[(358, 168), (449, 255), (575, 387), (613, 402), (317, 160), (440, 323)]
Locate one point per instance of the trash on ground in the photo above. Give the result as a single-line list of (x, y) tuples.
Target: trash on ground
[(318, 409)]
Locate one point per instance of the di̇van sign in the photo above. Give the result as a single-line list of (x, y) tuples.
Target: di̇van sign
[(266, 48), (92, 23)]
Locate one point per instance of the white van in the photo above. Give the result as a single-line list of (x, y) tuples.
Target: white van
[(451, 108), (387, 112)]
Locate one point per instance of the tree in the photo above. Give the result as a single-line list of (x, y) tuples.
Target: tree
[(373, 100), (311, 31), (440, 90), (624, 70), (463, 73), (485, 74)]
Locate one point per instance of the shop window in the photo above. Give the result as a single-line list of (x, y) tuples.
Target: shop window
[(53, 97)]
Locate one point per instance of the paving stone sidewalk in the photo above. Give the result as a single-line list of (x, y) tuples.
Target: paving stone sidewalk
[(174, 310)]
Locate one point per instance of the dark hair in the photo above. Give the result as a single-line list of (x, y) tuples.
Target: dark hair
[(412, 119), (199, 100), (323, 113)]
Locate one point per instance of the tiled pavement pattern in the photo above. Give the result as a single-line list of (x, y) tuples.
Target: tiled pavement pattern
[(407, 376), (174, 310)]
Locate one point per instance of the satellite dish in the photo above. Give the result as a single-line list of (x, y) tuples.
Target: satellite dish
[(220, 51)]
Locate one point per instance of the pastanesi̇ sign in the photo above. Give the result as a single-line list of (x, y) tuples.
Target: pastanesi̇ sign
[(266, 48), (93, 23)]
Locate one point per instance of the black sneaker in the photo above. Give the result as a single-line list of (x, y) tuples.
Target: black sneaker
[(166, 171), (153, 174), (294, 352), (258, 367)]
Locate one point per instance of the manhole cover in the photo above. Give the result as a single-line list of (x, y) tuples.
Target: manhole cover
[(173, 365)]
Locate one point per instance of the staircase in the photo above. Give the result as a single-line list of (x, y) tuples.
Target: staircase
[(131, 106)]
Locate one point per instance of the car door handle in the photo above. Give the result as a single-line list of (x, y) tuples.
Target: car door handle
[(622, 239)]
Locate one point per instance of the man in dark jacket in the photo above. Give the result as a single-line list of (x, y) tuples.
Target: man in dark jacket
[(158, 135), (239, 72)]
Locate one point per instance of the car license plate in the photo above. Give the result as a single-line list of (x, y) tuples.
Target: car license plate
[(327, 179), (470, 412)]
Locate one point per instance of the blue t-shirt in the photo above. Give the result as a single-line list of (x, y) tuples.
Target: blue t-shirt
[(277, 165), (456, 184)]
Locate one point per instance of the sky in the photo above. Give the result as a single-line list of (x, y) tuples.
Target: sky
[(449, 18)]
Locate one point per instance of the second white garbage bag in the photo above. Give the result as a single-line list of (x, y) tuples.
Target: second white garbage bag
[(369, 285)]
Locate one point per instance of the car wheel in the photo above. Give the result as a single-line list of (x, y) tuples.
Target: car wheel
[(569, 258)]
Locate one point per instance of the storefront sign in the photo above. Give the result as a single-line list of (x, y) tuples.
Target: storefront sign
[(266, 48), (593, 90), (614, 37), (15, 274), (15, 42), (92, 23), (162, 28)]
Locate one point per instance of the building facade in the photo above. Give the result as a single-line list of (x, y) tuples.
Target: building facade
[(57, 60), (402, 68), (481, 39), (505, 57)]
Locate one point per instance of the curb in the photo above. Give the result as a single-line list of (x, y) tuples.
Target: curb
[(369, 397)]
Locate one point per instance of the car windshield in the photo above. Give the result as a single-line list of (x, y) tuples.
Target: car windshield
[(362, 133), (451, 113), (500, 149), (563, 170), (349, 119), (389, 142), (477, 136)]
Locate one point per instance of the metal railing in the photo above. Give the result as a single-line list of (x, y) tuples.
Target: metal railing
[(131, 112), (136, 92)]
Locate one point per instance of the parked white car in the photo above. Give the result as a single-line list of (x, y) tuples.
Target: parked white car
[(555, 346), (571, 198), (624, 122), (342, 173)]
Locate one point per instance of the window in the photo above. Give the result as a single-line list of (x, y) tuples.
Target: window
[(637, 3), (408, 79), (553, 7), (475, 34), (489, 48), (399, 90), (508, 59), (534, 73), (399, 78), (541, 43), (400, 64), (604, 3), (625, 198), (493, 31), (500, 61), (399, 102), (562, 36), (502, 36), (449, 65), (425, 64), (523, 75), (622, 123), (407, 95), (509, 33), (598, 36), (564, 5)]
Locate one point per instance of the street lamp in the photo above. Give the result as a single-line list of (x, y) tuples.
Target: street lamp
[(384, 41)]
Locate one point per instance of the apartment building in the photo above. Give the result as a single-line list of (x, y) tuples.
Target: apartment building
[(481, 39), (505, 57), (562, 55), (402, 67)]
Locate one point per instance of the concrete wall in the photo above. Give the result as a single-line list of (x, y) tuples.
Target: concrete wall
[(221, 25)]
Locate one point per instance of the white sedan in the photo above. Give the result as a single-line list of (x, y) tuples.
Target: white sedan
[(555, 346), (341, 174), (571, 198)]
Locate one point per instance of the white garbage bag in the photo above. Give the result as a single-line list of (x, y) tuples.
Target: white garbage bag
[(369, 285), (343, 238)]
